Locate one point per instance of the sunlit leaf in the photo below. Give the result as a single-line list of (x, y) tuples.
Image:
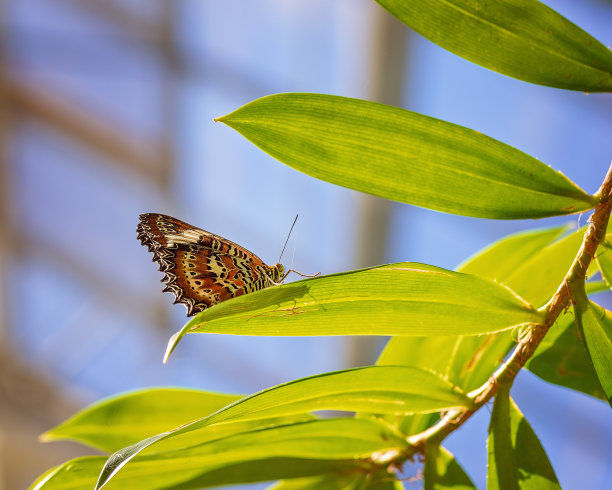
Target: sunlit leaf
[(604, 260), (516, 460), (468, 361), (595, 324), (405, 156), (75, 474), (400, 299), (538, 278), (523, 39), (382, 389), (377, 480), (356, 443), (331, 481), (500, 259), (442, 471), (125, 419), (82, 473), (562, 359)]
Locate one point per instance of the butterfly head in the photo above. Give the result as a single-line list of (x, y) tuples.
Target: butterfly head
[(278, 273)]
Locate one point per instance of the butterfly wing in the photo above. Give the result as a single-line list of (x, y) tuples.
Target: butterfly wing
[(202, 269)]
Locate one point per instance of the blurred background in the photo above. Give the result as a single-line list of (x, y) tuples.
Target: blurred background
[(107, 111)]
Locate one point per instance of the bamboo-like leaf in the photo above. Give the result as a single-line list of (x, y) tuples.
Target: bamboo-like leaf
[(75, 474), (81, 473), (406, 157), (500, 259), (549, 256), (468, 361), (523, 39), (382, 389), (537, 269), (442, 471), (516, 457), (595, 324), (125, 419), (355, 444), (562, 359), (604, 259), (398, 299), (538, 278), (329, 481), (594, 287)]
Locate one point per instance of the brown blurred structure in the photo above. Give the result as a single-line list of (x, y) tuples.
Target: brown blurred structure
[(30, 401)]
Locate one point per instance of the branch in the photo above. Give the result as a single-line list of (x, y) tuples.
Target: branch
[(572, 284)]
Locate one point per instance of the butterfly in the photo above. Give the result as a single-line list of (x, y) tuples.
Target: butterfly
[(202, 269)]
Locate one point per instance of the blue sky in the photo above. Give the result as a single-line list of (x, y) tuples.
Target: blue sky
[(74, 201)]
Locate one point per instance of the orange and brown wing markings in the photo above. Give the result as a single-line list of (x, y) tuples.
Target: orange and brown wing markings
[(202, 269), (160, 230)]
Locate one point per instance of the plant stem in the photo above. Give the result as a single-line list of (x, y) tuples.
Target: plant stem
[(572, 285)]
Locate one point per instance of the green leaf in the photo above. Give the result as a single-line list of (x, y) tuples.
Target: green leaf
[(75, 474), (595, 325), (604, 260), (529, 262), (562, 359), (125, 419), (331, 481), (400, 299), (516, 457), (442, 470), (356, 443), (523, 39), (404, 156), (500, 259), (83, 473), (383, 389), (268, 469), (538, 278), (593, 287), (377, 480), (469, 361)]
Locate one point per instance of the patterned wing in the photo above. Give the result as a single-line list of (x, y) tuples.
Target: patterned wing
[(202, 269)]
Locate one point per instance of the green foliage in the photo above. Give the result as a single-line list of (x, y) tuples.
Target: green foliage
[(405, 156), (516, 458), (402, 299), (595, 325), (126, 419), (523, 39), (459, 337), (442, 470), (562, 359)]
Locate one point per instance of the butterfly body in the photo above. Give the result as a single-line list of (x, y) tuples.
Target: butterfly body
[(200, 268)]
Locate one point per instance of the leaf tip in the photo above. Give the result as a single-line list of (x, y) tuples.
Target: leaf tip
[(170, 347), (46, 437)]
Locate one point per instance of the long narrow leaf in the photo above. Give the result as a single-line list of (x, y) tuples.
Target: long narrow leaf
[(125, 419), (82, 473), (443, 472), (468, 361), (562, 359), (380, 389), (524, 39), (516, 457), (604, 260), (397, 299), (75, 474), (595, 324), (406, 157), (355, 443)]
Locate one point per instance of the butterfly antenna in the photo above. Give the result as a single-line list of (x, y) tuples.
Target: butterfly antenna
[(287, 241)]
